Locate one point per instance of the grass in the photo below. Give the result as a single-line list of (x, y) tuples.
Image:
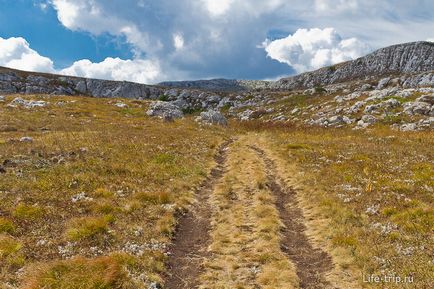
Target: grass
[(96, 181), (367, 197), (80, 273), (245, 245)]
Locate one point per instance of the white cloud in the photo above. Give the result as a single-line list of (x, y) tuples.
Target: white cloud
[(430, 39), (137, 70), (217, 7), (15, 52), (309, 49), (335, 6), (178, 41)]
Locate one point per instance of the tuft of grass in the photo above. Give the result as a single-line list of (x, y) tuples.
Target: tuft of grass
[(6, 226), (154, 197), (26, 212), (81, 273), (87, 228), (10, 251), (297, 146)]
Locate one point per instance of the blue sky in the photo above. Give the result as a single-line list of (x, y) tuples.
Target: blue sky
[(150, 41)]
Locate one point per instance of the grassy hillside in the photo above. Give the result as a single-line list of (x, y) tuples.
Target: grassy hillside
[(91, 198)]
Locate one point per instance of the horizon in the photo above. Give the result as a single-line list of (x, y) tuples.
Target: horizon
[(228, 39)]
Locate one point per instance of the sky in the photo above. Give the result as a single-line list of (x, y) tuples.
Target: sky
[(150, 41)]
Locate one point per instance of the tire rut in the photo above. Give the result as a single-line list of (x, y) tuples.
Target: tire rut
[(191, 238), (311, 263)]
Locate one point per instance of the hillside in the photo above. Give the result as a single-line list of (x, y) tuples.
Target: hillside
[(286, 185)]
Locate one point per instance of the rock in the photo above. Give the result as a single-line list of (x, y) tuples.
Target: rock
[(373, 108), (2, 98), (356, 107), (383, 83), (26, 139), (351, 96), (212, 117), (365, 87), (336, 120), (164, 110), (366, 121), (426, 98), (2, 170), (390, 103), (417, 107), (18, 101), (295, 110), (408, 127), (121, 105), (245, 115)]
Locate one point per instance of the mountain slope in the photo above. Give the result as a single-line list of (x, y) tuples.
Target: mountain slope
[(402, 58)]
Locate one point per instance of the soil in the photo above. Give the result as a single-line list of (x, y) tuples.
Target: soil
[(188, 249), (311, 263)]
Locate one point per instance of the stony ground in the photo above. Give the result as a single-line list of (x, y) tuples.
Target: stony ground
[(97, 194)]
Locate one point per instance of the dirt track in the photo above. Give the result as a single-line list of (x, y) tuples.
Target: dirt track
[(245, 182)]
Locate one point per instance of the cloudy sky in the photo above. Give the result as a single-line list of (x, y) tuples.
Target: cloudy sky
[(149, 41)]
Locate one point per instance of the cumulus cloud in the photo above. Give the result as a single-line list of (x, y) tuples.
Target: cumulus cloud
[(15, 52), (141, 71), (309, 49)]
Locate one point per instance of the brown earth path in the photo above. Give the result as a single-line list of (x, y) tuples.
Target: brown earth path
[(311, 263), (188, 249)]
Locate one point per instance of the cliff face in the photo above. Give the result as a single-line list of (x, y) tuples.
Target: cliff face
[(402, 58)]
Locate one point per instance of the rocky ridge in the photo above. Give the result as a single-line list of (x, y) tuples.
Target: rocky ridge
[(394, 85)]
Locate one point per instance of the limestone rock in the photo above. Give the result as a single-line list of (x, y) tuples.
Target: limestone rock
[(165, 110), (212, 117)]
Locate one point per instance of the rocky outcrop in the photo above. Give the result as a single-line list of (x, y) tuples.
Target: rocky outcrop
[(219, 84), (15, 81), (165, 110), (212, 117), (403, 58)]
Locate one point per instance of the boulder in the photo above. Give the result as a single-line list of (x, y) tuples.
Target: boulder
[(212, 117), (417, 107), (18, 101), (383, 83), (165, 110), (366, 121)]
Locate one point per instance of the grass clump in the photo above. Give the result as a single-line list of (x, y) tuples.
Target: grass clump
[(6, 226), (81, 273), (26, 212), (154, 197), (87, 228), (10, 251)]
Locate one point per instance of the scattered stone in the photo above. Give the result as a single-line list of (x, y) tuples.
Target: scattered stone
[(121, 105), (2, 98), (80, 197), (18, 101), (245, 115), (295, 110), (417, 107), (212, 117), (366, 121), (26, 139)]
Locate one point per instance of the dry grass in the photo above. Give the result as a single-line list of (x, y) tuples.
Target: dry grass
[(367, 198), (245, 233), (96, 180)]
